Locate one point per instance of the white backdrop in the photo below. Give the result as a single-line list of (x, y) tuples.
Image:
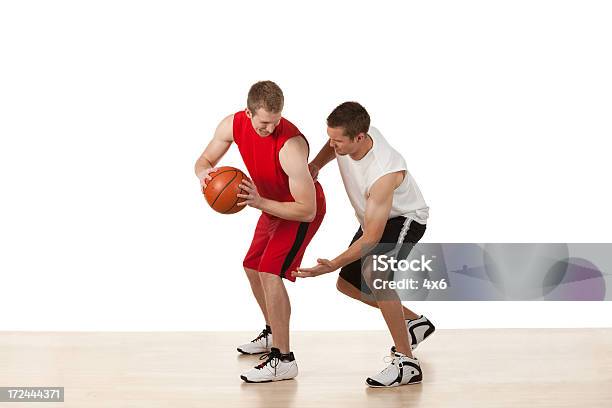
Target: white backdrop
[(502, 110)]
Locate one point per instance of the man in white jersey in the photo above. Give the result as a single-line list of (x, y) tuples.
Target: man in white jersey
[(391, 210)]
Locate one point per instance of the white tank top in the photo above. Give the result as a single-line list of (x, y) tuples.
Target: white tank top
[(359, 176)]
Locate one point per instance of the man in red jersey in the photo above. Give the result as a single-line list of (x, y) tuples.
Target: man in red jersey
[(292, 205)]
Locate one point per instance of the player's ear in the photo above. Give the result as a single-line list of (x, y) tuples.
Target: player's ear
[(248, 113), (359, 138)]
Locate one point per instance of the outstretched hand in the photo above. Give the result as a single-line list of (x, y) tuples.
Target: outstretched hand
[(323, 266)]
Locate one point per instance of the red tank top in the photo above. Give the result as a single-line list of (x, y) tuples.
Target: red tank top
[(260, 155)]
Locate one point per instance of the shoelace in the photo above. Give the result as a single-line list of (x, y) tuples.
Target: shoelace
[(389, 359), (272, 359), (264, 333), (395, 361)]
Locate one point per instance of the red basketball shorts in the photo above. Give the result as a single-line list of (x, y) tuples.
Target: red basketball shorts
[(278, 245)]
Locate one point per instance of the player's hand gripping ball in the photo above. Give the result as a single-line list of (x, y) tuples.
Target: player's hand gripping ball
[(222, 189)]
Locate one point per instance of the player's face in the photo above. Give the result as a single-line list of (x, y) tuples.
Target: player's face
[(264, 122), (341, 143)]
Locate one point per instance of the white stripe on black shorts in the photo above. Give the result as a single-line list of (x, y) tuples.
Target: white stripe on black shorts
[(401, 231)]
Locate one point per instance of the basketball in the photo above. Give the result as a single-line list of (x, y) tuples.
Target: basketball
[(222, 189)]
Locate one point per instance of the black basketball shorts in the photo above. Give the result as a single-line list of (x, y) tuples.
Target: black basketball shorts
[(400, 230)]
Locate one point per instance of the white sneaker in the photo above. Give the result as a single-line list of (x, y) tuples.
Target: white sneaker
[(418, 330), (277, 367), (260, 344), (402, 370)]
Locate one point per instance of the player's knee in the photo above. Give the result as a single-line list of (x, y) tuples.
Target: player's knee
[(251, 273), (270, 279)]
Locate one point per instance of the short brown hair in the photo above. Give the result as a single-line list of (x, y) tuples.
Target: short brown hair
[(352, 117), (267, 95)]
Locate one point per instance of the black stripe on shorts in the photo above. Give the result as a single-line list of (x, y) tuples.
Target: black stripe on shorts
[(300, 236)]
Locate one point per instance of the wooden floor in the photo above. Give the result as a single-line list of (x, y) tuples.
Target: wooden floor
[(461, 368)]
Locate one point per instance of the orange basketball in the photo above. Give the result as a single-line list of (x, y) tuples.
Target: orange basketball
[(222, 189)]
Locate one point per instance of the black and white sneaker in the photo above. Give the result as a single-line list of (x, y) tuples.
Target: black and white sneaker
[(260, 344), (402, 370), (418, 330), (277, 367)]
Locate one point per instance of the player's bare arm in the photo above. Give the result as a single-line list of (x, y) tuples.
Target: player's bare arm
[(294, 161), (217, 147), (325, 155), (378, 207)]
